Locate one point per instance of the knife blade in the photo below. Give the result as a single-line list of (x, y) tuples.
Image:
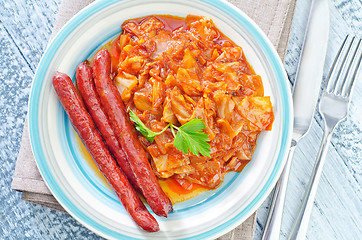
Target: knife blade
[(305, 96)]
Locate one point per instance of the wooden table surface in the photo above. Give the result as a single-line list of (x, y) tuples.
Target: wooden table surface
[(25, 28)]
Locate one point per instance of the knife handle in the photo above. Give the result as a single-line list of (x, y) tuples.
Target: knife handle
[(273, 223)]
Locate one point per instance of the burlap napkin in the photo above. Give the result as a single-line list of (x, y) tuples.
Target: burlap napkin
[(274, 17)]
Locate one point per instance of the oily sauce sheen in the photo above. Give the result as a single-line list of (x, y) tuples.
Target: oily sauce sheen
[(170, 69)]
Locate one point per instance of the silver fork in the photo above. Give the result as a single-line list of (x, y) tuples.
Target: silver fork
[(333, 108)]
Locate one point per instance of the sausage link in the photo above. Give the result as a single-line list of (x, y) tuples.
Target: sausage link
[(86, 88), (114, 108), (91, 138)]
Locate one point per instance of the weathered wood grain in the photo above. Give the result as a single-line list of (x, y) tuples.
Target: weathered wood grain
[(29, 25), (19, 219), (337, 212), (25, 27)]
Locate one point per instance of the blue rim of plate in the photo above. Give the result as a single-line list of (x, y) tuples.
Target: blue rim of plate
[(265, 45)]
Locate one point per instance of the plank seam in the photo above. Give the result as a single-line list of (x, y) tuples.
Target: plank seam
[(16, 45)]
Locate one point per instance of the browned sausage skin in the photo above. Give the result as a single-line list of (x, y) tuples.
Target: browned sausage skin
[(86, 88), (87, 132), (127, 137)]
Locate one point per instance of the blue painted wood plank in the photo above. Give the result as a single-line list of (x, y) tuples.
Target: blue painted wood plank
[(19, 219), (337, 204), (29, 24), (25, 29), (337, 213)]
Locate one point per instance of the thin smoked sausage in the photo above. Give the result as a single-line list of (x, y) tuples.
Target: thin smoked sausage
[(91, 138), (114, 108), (86, 88)]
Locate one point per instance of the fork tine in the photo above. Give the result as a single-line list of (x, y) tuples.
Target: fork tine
[(347, 89), (327, 84), (331, 84), (346, 67)]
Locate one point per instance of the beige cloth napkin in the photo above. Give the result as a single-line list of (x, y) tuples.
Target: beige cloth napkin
[(274, 17)]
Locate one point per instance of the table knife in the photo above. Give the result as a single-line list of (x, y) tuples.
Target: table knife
[(305, 96)]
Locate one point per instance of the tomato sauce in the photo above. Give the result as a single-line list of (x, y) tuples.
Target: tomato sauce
[(171, 70), (171, 187)]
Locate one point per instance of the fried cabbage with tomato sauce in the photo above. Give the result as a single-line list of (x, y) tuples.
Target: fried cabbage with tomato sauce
[(173, 70)]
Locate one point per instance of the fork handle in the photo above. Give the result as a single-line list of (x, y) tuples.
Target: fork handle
[(300, 226), (273, 223)]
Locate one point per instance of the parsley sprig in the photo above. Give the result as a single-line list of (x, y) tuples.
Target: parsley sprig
[(189, 137), (141, 127)]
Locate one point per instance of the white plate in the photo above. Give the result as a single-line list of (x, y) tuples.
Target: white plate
[(81, 192)]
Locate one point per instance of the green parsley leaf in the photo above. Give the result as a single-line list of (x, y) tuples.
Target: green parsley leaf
[(181, 142), (141, 127), (195, 125), (190, 138)]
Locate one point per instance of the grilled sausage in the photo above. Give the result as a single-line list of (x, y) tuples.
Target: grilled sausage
[(89, 135), (112, 104), (86, 88)]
